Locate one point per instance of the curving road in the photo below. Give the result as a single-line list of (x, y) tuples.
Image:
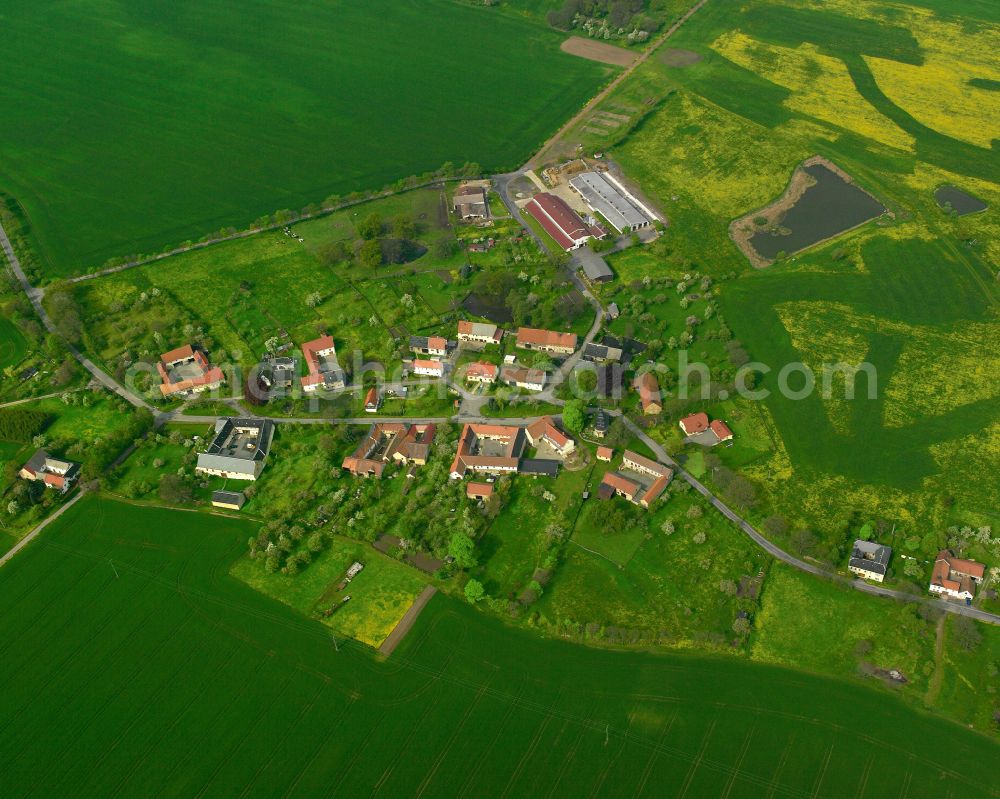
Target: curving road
[(35, 296), (779, 554)]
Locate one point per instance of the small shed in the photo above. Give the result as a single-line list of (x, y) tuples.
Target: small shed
[(594, 266), (605, 454), (231, 500)]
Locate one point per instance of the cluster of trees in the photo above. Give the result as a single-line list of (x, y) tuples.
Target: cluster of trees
[(22, 424), (612, 18)]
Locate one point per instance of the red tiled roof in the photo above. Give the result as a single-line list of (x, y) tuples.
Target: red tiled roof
[(422, 363), (437, 343), (482, 369), (463, 457), (605, 453), (179, 354), (546, 338), (649, 390), (619, 483), (695, 423), (546, 428), (721, 429), (309, 350), (478, 490), (371, 398), (559, 220)]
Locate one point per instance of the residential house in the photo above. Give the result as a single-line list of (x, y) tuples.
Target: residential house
[(430, 345), (650, 480), (522, 377), (428, 368), (186, 370), (239, 449), (230, 500), (490, 448), (599, 353), (52, 472), (605, 454), (561, 222), (606, 196), (529, 338), (869, 561), (479, 490), (278, 372), (649, 393), (321, 361), (471, 202), (700, 430), (373, 400), (955, 577), (479, 332), (390, 442), (482, 372), (544, 432)]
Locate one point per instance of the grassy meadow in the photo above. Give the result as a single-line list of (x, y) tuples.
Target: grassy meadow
[(133, 658), (883, 90), (190, 117)]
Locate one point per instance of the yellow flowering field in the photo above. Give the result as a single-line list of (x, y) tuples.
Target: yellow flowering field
[(821, 86)]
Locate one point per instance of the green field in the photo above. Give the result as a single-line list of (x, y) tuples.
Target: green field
[(188, 117), (173, 674), (13, 346)]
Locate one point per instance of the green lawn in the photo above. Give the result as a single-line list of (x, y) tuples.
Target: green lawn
[(379, 595), (13, 345), (219, 689), (189, 117)]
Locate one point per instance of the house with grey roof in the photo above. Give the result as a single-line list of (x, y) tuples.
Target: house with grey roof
[(869, 560), (239, 449)]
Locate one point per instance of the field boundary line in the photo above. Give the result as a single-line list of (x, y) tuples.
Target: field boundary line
[(395, 638)]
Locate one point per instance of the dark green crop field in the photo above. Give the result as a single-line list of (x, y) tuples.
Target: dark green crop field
[(133, 664), (129, 127)]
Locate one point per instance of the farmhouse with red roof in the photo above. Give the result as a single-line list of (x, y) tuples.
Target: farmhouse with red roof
[(491, 448), (390, 442), (531, 338), (561, 222), (699, 430), (649, 393), (321, 360), (544, 432), (186, 370), (645, 481), (482, 372), (955, 577), (52, 472)]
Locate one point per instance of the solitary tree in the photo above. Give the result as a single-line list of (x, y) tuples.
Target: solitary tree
[(370, 227), (573, 416), (462, 549), (474, 591)]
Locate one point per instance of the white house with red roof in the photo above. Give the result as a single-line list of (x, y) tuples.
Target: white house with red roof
[(186, 370), (700, 430), (533, 338), (53, 472), (428, 368), (479, 332), (955, 577), (321, 360), (482, 372), (544, 431)]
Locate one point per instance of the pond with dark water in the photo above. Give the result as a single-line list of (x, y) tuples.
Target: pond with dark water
[(830, 206), (952, 198)]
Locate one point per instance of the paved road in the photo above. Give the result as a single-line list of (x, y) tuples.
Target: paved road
[(35, 296), (41, 526)]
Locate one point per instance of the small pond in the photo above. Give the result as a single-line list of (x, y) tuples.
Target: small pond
[(825, 209), (952, 198)]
